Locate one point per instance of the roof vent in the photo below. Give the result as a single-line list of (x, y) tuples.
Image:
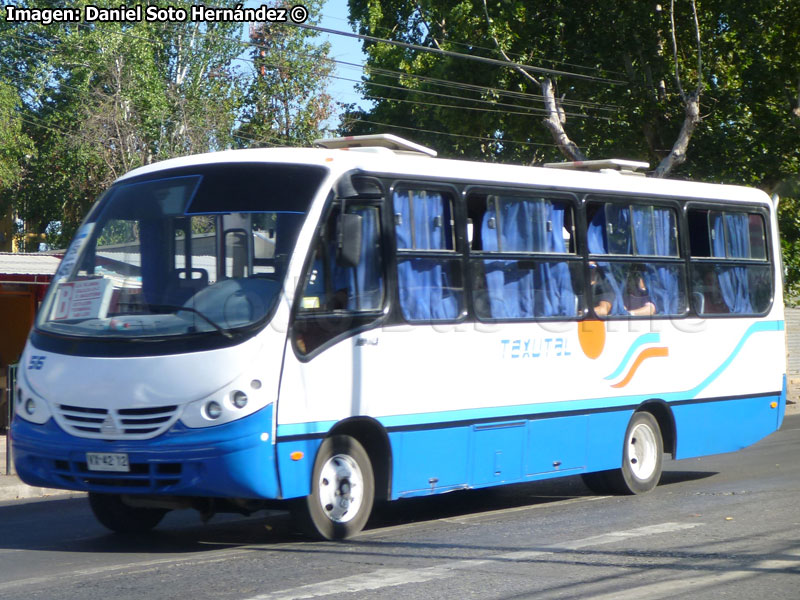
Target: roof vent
[(625, 167), (381, 140)]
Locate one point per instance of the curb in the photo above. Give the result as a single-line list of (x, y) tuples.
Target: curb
[(14, 489)]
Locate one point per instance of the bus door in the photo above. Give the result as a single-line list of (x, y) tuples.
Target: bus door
[(335, 325)]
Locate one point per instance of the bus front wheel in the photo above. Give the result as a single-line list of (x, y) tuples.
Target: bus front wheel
[(342, 490), (113, 513)]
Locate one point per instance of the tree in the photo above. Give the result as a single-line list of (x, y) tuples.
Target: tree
[(14, 144), (654, 77), (709, 91), (287, 102), (104, 98)]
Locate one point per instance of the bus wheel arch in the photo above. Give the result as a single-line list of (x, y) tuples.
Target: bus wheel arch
[(662, 413), (373, 437)]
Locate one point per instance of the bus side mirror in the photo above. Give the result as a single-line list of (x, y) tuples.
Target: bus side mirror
[(348, 251)]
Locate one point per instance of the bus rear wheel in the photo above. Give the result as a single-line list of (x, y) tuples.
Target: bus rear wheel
[(642, 457), (342, 490), (112, 512)]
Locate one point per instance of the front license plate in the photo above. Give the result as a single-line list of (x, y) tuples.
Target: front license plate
[(107, 461)]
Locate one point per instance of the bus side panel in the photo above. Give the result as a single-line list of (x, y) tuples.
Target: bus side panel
[(606, 436), (295, 466), (487, 454), (557, 444), (429, 461), (497, 452), (725, 426)]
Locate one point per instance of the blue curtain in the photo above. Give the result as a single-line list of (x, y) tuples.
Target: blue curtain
[(526, 225), (555, 295), (422, 221), (653, 229), (506, 228), (613, 274), (733, 282), (504, 299), (364, 283)]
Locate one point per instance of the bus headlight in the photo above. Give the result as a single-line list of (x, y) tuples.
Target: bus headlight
[(239, 399), (30, 407), (213, 410)]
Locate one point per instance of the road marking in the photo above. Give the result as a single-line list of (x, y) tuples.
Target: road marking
[(127, 568), (463, 519), (385, 578), (675, 587)]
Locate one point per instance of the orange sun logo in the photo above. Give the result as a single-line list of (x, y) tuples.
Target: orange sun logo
[(592, 337)]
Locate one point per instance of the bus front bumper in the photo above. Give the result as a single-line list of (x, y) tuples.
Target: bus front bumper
[(234, 460)]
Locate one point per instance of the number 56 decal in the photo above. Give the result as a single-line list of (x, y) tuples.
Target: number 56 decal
[(36, 363)]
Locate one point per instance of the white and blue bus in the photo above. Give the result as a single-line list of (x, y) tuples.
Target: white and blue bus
[(362, 321)]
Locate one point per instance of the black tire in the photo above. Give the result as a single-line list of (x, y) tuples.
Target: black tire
[(342, 491), (642, 457), (112, 512)]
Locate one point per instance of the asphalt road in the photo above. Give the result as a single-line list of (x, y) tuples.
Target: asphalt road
[(724, 526)]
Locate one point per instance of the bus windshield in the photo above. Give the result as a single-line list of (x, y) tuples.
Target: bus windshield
[(189, 251)]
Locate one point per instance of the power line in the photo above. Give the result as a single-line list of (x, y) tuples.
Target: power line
[(539, 111), (554, 61), (481, 88), (449, 53), (458, 135), (400, 74), (530, 113)]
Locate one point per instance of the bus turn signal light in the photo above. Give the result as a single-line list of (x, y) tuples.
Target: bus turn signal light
[(296, 455), (773, 405)]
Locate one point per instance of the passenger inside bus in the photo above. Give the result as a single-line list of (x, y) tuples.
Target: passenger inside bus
[(635, 298), (602, 294)]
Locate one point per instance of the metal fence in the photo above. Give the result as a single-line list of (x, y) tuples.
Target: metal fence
[(10, 393)]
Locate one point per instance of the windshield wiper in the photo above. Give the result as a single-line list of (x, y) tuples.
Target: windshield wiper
[(205, 318)]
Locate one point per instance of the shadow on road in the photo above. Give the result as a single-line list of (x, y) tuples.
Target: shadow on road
[(68, 525)]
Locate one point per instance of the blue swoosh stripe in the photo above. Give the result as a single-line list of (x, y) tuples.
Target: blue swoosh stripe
[(754, 328), (647, 338)]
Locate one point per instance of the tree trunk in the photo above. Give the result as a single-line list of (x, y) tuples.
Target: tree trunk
[(678, 153), (555, 123)]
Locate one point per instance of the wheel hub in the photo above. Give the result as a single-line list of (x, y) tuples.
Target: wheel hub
[(642, 452), (341, 487)]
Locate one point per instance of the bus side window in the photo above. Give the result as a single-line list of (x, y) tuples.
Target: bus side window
[(429, 278), (730, 266), (524, 260), (634, 257), (337, 297)]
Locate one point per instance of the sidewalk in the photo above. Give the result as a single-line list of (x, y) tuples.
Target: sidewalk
[(11, 488)]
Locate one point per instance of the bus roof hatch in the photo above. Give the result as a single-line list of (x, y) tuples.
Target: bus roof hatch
[(626, 167), (381, 140)]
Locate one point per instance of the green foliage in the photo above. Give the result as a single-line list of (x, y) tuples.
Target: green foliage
[(630, 104), (14, 144), (99, 99), (286, 100)]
